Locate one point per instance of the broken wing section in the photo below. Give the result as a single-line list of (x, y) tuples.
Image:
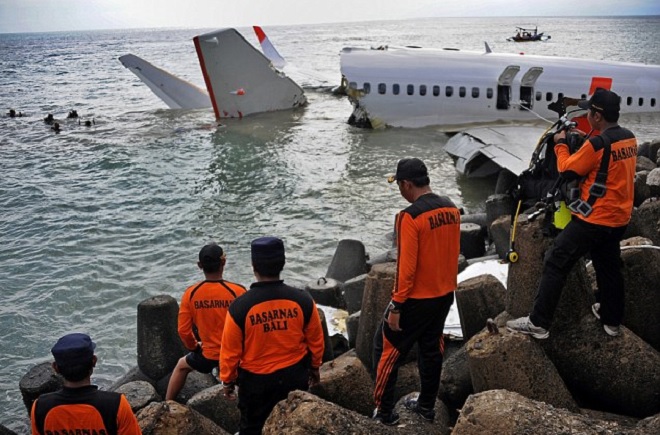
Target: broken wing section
[(481, 152), (175, 92), (240, 79)]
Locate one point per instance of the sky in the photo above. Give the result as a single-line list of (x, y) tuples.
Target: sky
[(18, 16)]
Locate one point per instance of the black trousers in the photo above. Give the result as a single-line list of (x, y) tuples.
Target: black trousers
[(576, 240), (258, 394), (422, 322)]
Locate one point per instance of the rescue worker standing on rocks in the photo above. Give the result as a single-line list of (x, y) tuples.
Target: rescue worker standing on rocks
[(428, 245), (599, 218), (79, 407), (203, 306), (272, 342)]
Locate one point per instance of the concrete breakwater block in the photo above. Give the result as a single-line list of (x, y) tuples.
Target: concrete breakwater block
[(478, 299), (327, 343), (352, 293), (516, 362), (158, 344), (171, 417), (349, 261), (326, 291), (212, 404), (497, 206), (473, 243), (39, 380), (455, 379), (352, 325), (139, 394)]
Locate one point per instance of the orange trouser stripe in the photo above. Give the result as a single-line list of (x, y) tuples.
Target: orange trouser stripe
[(387, 361)]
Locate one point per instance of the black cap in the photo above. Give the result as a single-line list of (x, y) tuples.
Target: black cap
[(267, 248), (210, 255), (408, 169), (73, 349), (602, 101)]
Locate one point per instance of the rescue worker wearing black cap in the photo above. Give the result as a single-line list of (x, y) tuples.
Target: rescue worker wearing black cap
[(272, 342), (600, 216), (428, 244), (204, 307), (79, 407)]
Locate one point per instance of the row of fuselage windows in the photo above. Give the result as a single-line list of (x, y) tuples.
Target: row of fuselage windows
[(449, 91)]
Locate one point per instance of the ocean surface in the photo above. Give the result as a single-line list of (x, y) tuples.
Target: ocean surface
[(96, 219)]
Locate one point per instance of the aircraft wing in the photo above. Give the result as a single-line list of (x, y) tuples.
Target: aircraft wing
[(240, 79), (268, 48), (483, 151), (175, 92)]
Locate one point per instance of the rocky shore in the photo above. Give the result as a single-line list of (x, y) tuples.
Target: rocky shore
[(579, 380)]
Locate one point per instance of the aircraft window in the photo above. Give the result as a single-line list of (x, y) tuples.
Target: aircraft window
[(548, 96), (489, 93), (395, 89), (641, 101), (382, 88), (449, 91), (461, 92), (539, 96), (436, 90), (475, 92), (422, 90), (367, 88), (629, 101), (652, 102), (411, 89)]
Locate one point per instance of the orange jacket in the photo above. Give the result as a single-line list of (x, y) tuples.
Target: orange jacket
[(205, 305), (613, 209), (428, 243), (271, 327), (83, 410)]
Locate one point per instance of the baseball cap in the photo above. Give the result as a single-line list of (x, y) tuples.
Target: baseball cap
[(267, 248), (210, 255), (73, 349), (603, 101), (408, 169)]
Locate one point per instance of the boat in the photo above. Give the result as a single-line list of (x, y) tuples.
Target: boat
[(524, 34)]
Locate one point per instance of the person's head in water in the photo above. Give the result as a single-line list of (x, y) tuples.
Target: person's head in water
[(12, 113), (56, 127), (49, 118)]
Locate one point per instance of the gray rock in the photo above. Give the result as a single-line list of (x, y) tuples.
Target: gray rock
[(455, 379), (352, 327), (349, 261), (478, 299), (500, 233), (653, 181), (642, 190), (498, 205), (212, 404), (326, 291), (166, 418), (40, 379), (644, 221), (134, 374), (473, 243), (644, 164), (195, 382), (139, 394)]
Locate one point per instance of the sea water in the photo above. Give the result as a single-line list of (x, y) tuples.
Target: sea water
[(97, 219)]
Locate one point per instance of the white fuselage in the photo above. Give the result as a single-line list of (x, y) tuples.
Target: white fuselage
[(455, 89)]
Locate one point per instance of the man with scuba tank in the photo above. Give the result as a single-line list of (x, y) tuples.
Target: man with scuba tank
[(606, 163)]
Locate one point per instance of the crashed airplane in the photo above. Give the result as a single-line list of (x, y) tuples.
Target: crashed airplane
[(481, 95)]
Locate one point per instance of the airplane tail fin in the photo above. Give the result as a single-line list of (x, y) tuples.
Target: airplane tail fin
[(240, 79), (268, 48), (488, 50)]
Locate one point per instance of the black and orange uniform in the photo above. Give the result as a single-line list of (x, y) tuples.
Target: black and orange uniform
[(597, 232), (84, 410), (205, 305), (428, 244), (272, 337)]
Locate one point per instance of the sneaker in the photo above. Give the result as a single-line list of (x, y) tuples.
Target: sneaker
[(612, 331), (412, 405), (388, 419), (525, 326)]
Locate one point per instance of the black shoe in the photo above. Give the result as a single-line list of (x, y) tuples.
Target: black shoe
[(389, 419), (412, 405)]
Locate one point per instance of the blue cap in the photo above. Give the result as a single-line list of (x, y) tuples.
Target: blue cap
[(267, 248), (73, 349)]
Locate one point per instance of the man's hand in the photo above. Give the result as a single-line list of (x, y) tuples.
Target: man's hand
[(229, 390), (559, 136), (393, 318), (314, 377)]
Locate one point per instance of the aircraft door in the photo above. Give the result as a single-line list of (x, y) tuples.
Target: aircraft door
[(504, 86), (527, 87)]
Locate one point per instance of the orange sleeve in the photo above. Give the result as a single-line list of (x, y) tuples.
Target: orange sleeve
[(581, 162), (33, 423), (186, 322), (408, 246), (231, 350), (127, 424), (314, 338)]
